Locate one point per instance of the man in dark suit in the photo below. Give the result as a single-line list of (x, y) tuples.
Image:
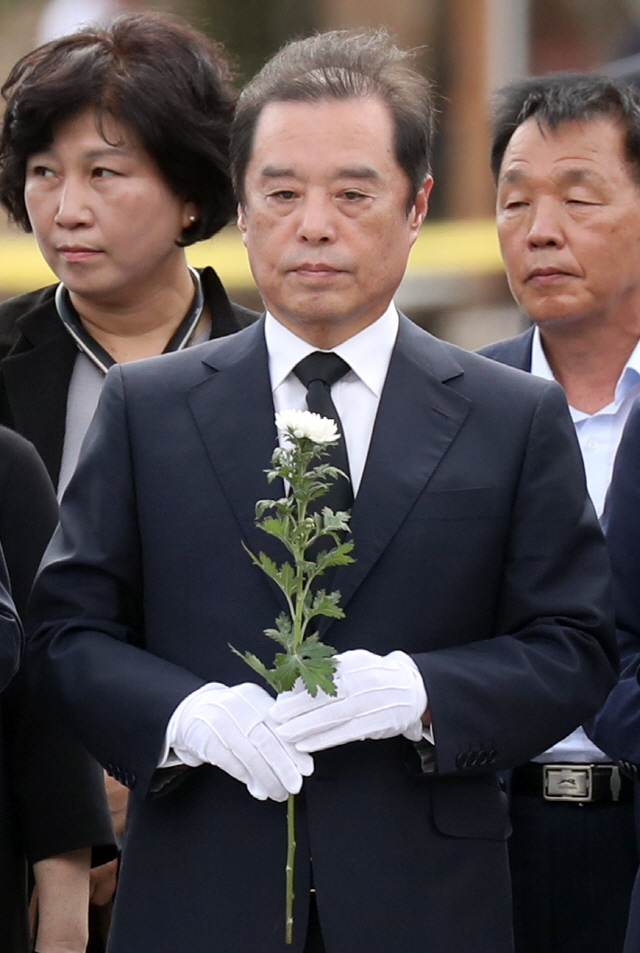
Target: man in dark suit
[(566, 159), (477, 626)]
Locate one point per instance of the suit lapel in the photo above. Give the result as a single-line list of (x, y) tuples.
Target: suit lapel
[(233, 410), (514, 352), (418, 418)]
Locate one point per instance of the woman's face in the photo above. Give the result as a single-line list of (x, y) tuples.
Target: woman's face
[(105, 219)]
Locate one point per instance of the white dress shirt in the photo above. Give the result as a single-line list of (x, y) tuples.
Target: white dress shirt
[(356, 395), (598, 435)]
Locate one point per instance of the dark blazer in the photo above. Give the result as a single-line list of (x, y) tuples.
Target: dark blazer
[(37, 358), (41, 814), (477, 551), (10, 630), (514, 352), (616, 727)]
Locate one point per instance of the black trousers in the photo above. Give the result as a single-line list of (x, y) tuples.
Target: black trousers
[(572, 869)]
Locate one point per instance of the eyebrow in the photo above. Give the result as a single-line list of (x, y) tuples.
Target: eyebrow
[(571, 176), (347, 172), (112, 150), (91, 154)]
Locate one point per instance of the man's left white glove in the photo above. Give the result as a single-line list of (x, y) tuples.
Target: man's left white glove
[(377, 697), (230, 727)]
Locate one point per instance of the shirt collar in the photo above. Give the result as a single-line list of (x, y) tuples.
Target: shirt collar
[(629, 377), (368, 352), (539, 363), (630, 374)]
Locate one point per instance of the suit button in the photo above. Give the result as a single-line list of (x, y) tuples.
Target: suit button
[(461, 761), (472, 759), (491, 756), (482, 759)]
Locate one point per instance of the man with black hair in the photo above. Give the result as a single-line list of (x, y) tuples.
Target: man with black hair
[(566, 159)]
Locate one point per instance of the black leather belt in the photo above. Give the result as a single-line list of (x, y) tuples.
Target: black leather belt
[(577, 783)]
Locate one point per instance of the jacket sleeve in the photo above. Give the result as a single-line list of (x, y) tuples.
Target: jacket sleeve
[(500, 701), (616, 727), (86, 617), (10, 631)]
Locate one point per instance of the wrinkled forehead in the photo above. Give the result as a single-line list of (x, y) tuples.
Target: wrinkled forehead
[(331, 134), (573, 148)]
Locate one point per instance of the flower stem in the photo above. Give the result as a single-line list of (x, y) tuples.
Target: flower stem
[(291, 853)]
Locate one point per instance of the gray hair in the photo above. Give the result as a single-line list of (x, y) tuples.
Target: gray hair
[(343, 65)]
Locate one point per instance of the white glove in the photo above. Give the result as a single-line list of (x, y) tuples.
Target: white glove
[(377, 697), (231, 728)]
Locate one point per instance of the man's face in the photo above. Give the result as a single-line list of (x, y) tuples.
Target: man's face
[(325, 217), (568, 215)]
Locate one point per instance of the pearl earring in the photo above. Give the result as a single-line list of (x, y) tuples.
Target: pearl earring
[(192, 219)]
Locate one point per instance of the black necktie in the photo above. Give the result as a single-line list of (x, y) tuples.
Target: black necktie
[(318, 371)]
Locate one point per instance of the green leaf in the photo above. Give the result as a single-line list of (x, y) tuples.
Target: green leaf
[(335, 522), (287, 578), (283, 633), (254, 662), (276, 526), (313, 663), (287, 669), (282, 575), (269, 566), (326, 603), (339, 555)]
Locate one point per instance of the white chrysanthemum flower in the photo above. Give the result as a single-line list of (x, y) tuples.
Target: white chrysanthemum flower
[(303, 423)]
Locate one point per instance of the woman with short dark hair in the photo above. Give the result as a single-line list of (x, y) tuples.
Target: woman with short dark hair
[(114, 152)]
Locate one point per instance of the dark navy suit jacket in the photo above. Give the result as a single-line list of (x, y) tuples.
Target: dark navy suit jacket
[(514, 352), (10, 630), (477, 551), (616, 727)]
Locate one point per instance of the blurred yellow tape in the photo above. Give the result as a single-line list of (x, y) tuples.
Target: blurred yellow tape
[(460, 247)]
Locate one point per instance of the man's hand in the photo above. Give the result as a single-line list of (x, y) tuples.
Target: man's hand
[(377, 697), (232, 728)]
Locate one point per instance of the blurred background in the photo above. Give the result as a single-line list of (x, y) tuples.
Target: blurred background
[(455, 284)]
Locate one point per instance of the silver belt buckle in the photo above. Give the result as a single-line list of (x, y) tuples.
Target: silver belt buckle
[(567, 782)]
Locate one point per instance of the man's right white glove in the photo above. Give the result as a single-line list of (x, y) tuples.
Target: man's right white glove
[(231, 728)]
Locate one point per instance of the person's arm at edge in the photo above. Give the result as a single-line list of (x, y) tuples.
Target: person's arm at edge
[(105, 633), (556, 612), (616, 727)]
